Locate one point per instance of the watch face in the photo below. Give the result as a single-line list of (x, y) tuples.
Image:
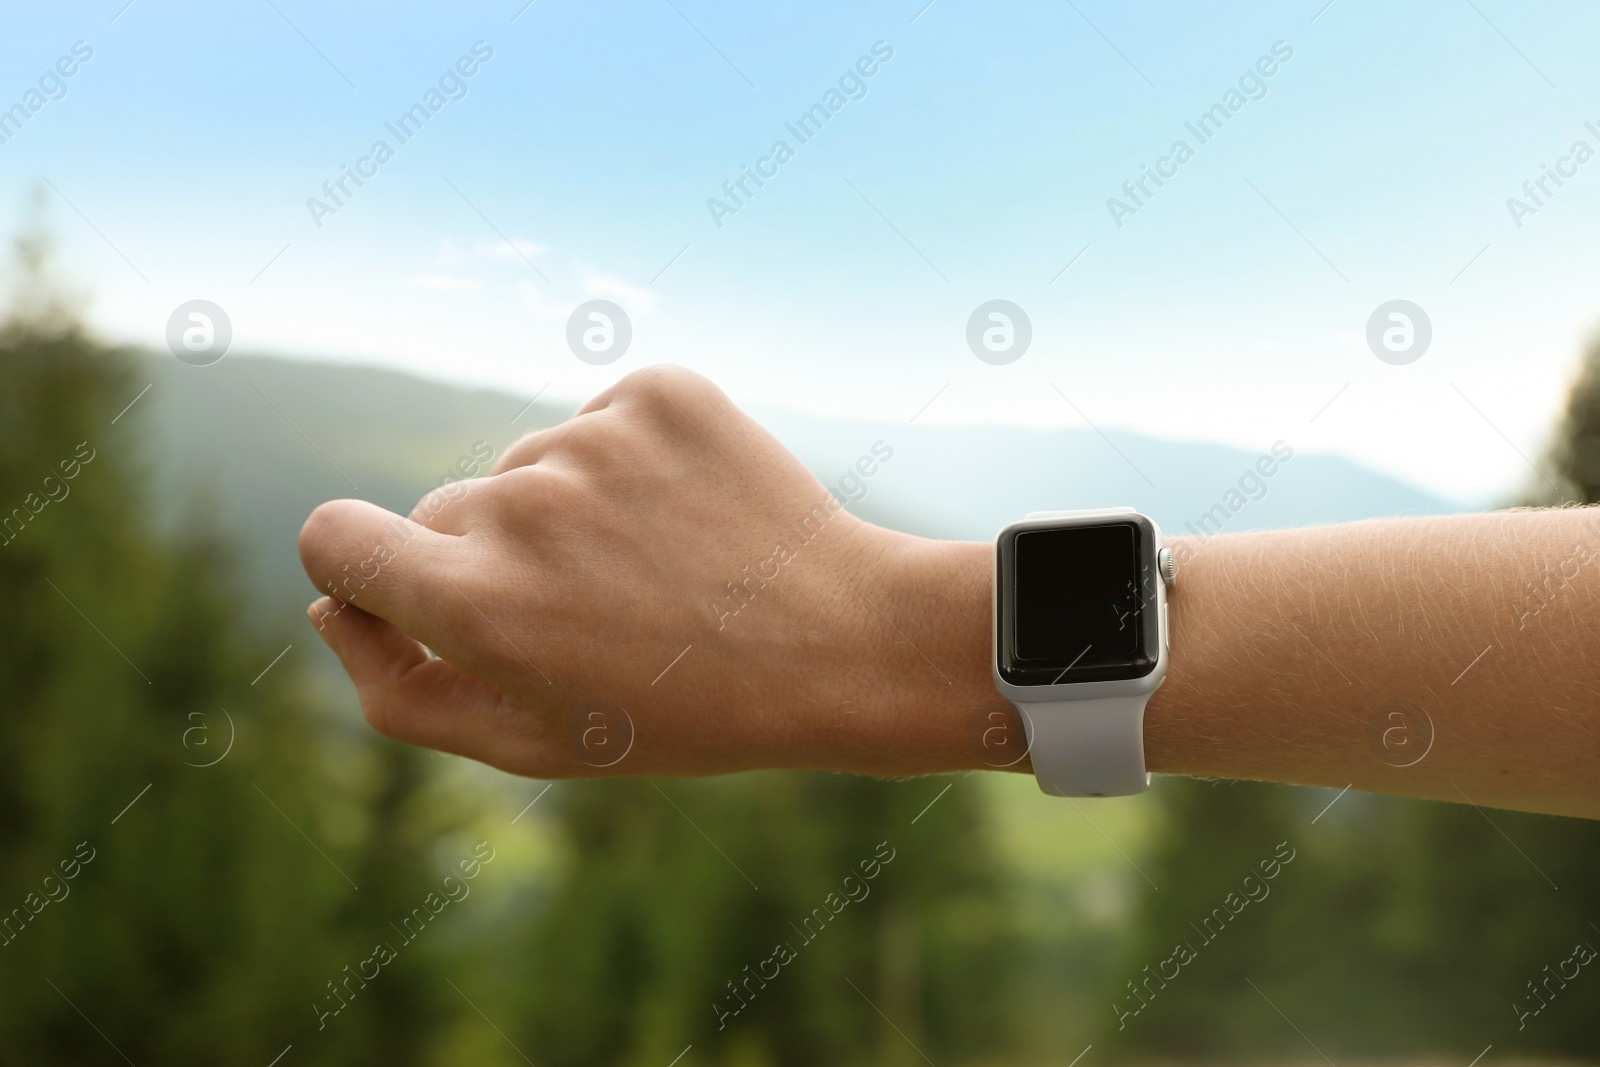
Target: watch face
[(1078, 603)]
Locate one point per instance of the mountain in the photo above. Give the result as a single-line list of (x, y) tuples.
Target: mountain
[(257, 442), (968, 481)]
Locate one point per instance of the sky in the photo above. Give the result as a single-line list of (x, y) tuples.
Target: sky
[(976, 162)]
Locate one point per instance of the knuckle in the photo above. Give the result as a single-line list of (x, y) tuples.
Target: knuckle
[(636, 383), (665, 386), (602, 440), (380, 711), (432, 505), (445, 507), (527, 493), (670, 376), (521, 451)]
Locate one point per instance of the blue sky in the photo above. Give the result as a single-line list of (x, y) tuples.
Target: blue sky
[(1231, 307)]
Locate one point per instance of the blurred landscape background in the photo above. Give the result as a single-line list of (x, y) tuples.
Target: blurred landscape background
[(207, 857), (169, 712)]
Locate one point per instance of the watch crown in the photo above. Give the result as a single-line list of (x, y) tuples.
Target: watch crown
[(1168, 566)]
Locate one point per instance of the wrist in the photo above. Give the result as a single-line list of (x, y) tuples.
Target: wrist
[(1175, 724), (940, 710)]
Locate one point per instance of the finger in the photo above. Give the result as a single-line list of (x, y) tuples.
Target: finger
[(451, 509), (531, 448), (389, 566), (412, 697)]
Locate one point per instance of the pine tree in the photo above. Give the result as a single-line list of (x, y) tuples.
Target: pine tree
[(174, 838), (737, 914)]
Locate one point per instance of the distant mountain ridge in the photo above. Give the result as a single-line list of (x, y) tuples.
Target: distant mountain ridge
[(968, 481), (264, 440), (260, 441)]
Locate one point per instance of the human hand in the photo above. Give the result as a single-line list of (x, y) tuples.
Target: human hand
[(657, 586)]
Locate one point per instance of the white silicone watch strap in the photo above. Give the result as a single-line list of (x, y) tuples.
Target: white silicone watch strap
[(1087, 748)]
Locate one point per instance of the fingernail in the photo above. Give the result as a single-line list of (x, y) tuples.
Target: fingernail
[(322, 609)]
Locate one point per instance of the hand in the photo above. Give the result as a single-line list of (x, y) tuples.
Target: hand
[(657, 586)]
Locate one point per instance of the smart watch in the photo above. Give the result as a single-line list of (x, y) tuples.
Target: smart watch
[(1080, 642)]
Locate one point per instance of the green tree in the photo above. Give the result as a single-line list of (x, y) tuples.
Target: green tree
[(676, 894), (174, 909)]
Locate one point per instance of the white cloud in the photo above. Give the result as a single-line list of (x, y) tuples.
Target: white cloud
[(513, 249), (634, 299), (451, 254), (443, 283)]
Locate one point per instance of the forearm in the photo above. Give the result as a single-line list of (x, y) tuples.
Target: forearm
[(1401, 656)]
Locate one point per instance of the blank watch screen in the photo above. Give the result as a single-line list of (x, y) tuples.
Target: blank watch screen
[(1077, 612)]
